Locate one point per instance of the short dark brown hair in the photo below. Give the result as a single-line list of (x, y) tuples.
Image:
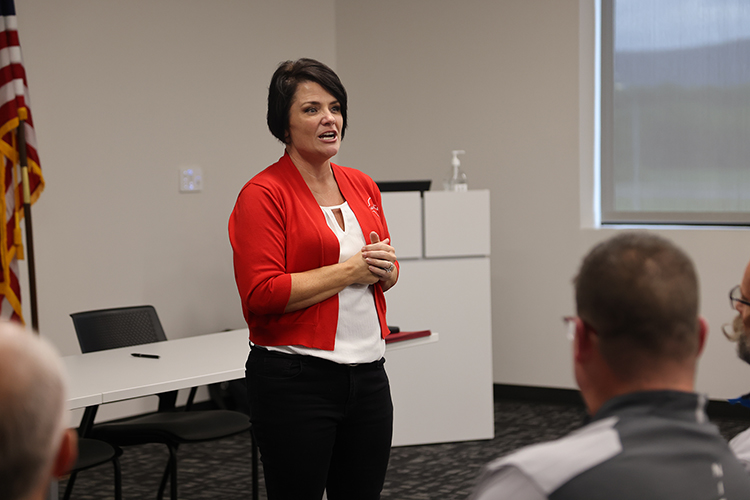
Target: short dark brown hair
[(639, 292), (283, 87)]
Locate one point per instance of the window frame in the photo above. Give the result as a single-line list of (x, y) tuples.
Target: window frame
[(607, 213)]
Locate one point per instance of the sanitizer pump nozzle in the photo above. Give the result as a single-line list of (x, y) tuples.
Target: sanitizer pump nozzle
[(457, 178)]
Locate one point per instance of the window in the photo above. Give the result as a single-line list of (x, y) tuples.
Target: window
[(675, 111)]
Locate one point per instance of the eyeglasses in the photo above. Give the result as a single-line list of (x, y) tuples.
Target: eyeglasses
[(570, 322), (735, 295)]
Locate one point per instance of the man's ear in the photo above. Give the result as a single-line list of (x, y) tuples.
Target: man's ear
[(583, 343), (702, 334), (66, 454)]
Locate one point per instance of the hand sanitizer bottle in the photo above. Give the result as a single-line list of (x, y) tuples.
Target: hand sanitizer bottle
[(457, 178)]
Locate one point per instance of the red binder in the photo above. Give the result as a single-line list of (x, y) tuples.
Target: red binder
[(398, 337)]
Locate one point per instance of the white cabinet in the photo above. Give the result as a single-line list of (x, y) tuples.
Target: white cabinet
[(442, 391), (403, 213), (457, 224)]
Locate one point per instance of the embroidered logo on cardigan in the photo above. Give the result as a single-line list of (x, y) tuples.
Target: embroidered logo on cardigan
[(373, 207)]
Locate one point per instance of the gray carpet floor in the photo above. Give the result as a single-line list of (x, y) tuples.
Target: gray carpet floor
[(221, 469)]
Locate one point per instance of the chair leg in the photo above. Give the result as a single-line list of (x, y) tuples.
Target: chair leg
[(173, 472), (170, 472), (164, 478), (118, 478), (69, 487)]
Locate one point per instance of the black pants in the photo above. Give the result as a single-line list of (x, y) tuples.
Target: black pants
[(320, 425)]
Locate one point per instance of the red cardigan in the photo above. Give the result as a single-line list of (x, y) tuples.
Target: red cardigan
[(278, 228)]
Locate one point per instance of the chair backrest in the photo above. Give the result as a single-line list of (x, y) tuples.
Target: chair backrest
[(118, 327)]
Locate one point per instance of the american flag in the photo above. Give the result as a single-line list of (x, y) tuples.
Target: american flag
[(14, 107)]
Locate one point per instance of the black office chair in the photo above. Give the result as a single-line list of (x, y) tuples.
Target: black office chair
[(128, 326), (92, 452)]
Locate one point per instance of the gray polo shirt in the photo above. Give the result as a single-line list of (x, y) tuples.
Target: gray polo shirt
[(645, 445)]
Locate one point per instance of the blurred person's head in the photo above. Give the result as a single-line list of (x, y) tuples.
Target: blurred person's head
[(638, 326), (737, 331), (35, 444)]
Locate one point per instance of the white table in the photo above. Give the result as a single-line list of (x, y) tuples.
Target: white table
[(115, 375)]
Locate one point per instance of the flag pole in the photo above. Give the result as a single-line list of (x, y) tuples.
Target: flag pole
[(23, 162)]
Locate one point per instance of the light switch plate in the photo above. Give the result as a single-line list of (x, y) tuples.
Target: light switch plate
[(191, 179)]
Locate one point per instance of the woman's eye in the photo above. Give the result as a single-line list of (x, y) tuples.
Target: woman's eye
[(311, 110), (335, 109)]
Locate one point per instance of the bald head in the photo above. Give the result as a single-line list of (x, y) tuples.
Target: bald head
[(32, 411)]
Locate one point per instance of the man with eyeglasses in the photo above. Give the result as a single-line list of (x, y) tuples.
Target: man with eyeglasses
[(738, 331), (636, 342)]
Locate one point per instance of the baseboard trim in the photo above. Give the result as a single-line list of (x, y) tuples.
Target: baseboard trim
[(538, 394), (715, 408)]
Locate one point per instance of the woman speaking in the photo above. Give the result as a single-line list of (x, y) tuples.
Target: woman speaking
[(312, 258)]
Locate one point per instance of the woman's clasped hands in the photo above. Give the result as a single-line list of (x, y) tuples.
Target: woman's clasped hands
[(380, 257)]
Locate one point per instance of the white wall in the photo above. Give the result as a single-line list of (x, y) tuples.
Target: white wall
[(501, 80), (123, 93)]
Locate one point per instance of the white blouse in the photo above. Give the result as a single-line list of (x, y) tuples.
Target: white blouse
[(358, 338)]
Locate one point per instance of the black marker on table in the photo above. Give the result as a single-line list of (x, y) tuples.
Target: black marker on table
[(139, 355)]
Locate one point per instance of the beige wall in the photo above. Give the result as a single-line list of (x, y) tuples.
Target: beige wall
[(501, 80), (126, 92), (123, 94)]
